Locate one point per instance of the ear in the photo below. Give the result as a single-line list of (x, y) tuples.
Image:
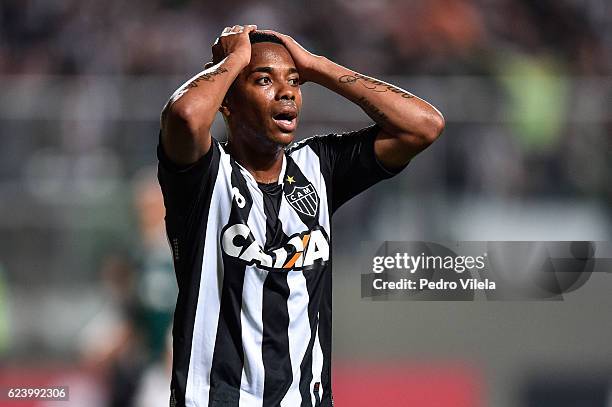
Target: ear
[(224, 108)]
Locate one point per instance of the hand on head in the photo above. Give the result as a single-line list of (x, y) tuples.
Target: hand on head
[(235, 41)]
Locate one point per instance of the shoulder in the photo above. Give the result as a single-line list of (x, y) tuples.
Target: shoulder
[(313, 142), (321, 143)]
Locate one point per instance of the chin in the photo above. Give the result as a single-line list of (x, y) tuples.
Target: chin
[(287, 139), (283, 139)]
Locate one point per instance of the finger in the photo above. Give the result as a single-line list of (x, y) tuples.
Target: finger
[(237, 28), (250, 28)]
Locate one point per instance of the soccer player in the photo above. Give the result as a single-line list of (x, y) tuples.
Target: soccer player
[(249, 220)]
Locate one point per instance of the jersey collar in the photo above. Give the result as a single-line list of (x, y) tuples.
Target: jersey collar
[(250, 178)]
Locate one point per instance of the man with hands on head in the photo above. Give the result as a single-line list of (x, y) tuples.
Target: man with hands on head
[(249, 220)]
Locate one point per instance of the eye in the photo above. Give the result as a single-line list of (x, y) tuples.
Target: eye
[(294, 81), (264, 80)]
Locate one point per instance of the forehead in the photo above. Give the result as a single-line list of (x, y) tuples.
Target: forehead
[(271, 55)]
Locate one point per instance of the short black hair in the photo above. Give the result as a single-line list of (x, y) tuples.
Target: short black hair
[(258, 36)]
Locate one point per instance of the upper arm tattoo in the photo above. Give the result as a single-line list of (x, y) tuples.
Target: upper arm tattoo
[(371, 109)]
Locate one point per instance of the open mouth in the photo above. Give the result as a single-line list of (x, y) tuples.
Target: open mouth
[(286, 121)]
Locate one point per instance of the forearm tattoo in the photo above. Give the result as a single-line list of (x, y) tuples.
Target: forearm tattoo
[(208, 77), (373, 84), (372, 110)]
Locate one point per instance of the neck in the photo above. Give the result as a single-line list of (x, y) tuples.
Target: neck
[(265, 166)]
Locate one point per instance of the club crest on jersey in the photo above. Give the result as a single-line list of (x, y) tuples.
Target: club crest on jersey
[(304, 199)]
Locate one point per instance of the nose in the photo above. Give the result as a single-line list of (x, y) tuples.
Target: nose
[(286, 92)]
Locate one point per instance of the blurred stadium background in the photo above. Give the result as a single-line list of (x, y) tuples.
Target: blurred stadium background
[(86, 285)]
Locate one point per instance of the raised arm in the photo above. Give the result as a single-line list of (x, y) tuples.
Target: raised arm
[(188, 116), (409, 124)]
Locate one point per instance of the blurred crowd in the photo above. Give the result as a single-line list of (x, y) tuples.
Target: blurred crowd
[(539, 61), (76, 37)]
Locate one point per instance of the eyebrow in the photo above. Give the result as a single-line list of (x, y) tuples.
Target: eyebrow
[(268, 69)]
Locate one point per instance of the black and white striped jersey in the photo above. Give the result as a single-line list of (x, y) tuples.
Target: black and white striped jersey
[(252, 325)]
